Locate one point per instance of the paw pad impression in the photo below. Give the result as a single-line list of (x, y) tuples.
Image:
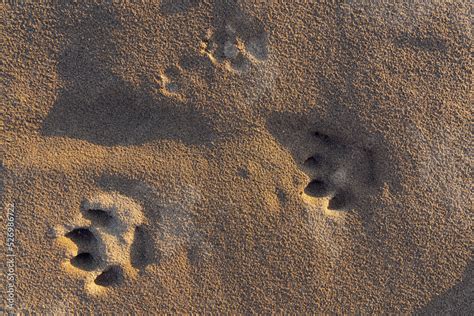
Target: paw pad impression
[(99, 242), (339, 172)]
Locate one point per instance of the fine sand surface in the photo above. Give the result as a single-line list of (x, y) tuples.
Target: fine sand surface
[(240, 157)]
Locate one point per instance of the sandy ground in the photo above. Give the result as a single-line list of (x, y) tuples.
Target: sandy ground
[(245, 157)]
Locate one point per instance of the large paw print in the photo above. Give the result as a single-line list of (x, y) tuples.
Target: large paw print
[(237, 46), (339, 171), (101, 243)]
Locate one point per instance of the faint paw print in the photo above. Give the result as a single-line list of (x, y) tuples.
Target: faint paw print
[(236, 47)]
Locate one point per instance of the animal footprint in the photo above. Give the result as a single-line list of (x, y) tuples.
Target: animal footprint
[(339, 172), (101, 244), (239, 45), (171, 83)]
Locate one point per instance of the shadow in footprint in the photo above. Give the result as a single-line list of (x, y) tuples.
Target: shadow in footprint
[(100, 107), (317, 188), (81, 236), (315, 161), (142, 253), (111, 276), (340, 200), (85, 242), (99, 217), (84, 261)]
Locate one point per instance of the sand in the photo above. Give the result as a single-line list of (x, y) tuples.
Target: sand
[(237, 157)]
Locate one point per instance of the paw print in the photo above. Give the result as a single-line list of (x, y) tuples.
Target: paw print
[(237, 46), (339, 172), (171, 82), (101, 243)]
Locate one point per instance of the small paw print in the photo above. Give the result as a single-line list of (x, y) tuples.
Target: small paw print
[(235, 49)]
